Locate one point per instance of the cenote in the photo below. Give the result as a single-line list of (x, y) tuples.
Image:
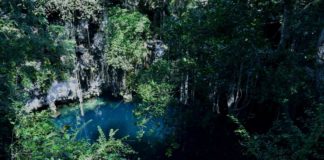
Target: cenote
[(147, 141)]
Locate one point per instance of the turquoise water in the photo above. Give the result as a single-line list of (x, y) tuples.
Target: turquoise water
[(112, 115)]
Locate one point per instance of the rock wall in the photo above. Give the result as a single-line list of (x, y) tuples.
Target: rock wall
[(91, 73)]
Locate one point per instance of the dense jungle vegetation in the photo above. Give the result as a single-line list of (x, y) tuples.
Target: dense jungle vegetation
[(236, 79)]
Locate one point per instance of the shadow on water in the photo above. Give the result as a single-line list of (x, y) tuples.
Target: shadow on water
[(114, 115)]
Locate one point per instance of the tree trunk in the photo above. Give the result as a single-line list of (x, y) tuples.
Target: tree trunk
[(320, 68), (184, 88), (222, 106), (285, 24)]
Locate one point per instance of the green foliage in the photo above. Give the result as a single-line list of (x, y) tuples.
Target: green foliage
[(127, 32), (203, 42), (288, 141), (111, 148), (33, 52), (155, 98), (240, 130), (74, 10), (223, 45), (38, 138), (154, 91), (160, 71), (215, 47)]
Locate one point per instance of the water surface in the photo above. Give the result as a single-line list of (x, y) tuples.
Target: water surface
[(112, 115)]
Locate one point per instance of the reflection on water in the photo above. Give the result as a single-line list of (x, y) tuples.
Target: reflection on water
[(110, 115)]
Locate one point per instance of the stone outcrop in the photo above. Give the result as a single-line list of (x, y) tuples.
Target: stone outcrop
[(91, 72), (88, 75)]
